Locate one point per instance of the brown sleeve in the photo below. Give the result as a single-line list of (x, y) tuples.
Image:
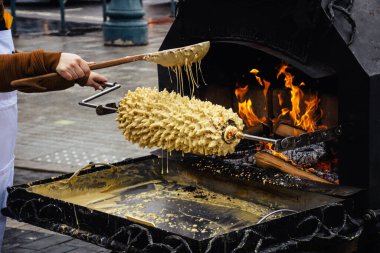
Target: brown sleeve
[(22, 65)]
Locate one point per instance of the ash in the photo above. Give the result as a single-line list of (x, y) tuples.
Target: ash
[(246, 157), (307, 156)]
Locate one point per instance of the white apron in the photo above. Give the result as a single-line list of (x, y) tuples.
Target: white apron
[(8, 129)]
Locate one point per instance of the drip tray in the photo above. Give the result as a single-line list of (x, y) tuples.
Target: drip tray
[(164, 199), (188, 210)]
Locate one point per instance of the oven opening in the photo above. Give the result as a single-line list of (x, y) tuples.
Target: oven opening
[(275, 100)]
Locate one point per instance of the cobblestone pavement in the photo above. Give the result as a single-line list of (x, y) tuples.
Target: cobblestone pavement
[(57, 136)]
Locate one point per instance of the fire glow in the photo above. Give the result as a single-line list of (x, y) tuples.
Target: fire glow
[(298, 110), (245, 108), (306, 121)]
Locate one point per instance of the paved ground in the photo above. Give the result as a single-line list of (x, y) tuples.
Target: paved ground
[(56, 135)]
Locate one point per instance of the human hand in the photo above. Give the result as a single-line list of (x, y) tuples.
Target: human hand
[(96, 80), (72, 67)]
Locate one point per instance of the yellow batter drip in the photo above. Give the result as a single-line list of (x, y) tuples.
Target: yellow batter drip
[(193, 78), (181, 60)]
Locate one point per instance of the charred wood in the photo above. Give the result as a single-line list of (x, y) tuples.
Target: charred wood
[(266, 160), (307, 156), (332, 177), (287, 131)]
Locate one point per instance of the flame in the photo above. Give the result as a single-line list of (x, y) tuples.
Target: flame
[(303, 112), (240, 92), (245, 108), (308, 120), (264, 83), (324, 166), (269, 147)]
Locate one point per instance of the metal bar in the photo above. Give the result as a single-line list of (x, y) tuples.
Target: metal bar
[(292, 142), (172, 8), (13, 12), (310, 138), (274, 212), (85, 102), (256, 138), (63, 22), (104, 2), (106, 109)]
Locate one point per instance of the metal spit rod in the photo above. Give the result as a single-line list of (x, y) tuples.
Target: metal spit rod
[(102, 109), (293, 142), (279, 145), (257, 138)]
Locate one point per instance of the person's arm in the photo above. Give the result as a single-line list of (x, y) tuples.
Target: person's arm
[(70, 66), (21, 65)]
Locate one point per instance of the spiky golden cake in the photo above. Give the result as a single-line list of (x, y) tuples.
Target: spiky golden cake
[(168, 120)]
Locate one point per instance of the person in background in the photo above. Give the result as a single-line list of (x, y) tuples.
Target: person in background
[(71, 69)]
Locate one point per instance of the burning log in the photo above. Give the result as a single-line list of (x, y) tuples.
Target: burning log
[(266, 160), (287, 131), (305, 156)]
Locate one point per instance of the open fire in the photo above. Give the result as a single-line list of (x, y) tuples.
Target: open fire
[(296, 112)]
